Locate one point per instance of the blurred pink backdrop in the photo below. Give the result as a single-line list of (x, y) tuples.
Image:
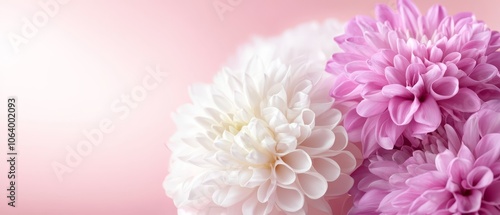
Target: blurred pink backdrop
[(82, 61)]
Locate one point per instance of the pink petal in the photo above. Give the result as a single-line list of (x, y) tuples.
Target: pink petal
[(345, 58), (494, 59), (368, 108), (492, 193), (443, 160), (464, 101), (434, 17), (381, 60), (354, 123), (436, 54), (427, 180), (364, 77), (369, 142), (393, 90), (467, 65), (387, 131), (488, 122), (428, 116), (365, 23), (413, 73), (458, 169), (470, 203), (394, 75), (454, 141), (480, 177), (344, 88), (431, 201), (444, 88), (384, 13), (356, 66), (372, 91), (410, 14), (484, 72), (488, 150), (465, 153), (434, 72), (382, 169), (471, 134), (402, 110), (453, 57)]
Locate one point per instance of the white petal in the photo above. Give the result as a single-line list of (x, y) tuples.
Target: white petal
[(286, 143), (244, 177), (252, 207), (328, 168), (321, 107), (307, 118), (266, 190), (201, 95), (204, 122), (340, 138), (340, 186), (320, 140), (313, 184), (289, 199), (346, 161), (319, 207), (278, 102), (223, 144), (259, 176), (257, 157), (223, 103), (284, 173), (300, 100), (329, 119), (279, 91), (304, 86), (270, 144), (274, 117), (229, 196), (251, 90), (298, 160)]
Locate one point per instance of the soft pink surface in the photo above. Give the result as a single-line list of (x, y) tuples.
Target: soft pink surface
[(69, 74)]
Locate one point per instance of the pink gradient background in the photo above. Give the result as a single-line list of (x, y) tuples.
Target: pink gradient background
[(69, 74)]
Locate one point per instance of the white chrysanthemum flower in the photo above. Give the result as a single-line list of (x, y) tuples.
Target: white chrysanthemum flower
[(263, 139)]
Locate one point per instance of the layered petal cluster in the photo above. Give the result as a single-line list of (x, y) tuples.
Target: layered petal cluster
[(463, 178), (409, 71), (262, 139)]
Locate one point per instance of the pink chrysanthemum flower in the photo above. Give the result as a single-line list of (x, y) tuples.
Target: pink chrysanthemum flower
[(464, 179), (408, 70)]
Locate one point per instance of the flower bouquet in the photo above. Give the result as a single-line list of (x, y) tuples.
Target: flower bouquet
[(399, 114)]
